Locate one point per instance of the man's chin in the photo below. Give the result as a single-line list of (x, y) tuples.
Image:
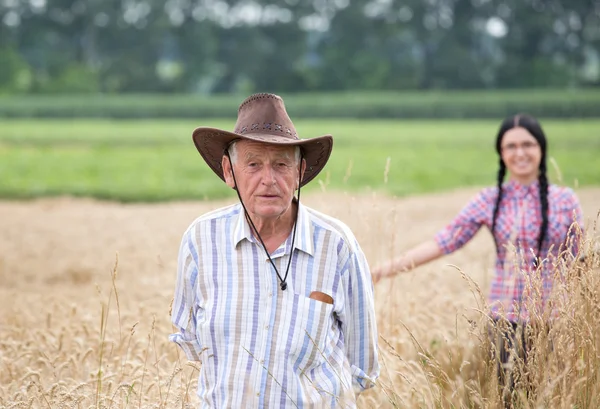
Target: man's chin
[(269, 212)]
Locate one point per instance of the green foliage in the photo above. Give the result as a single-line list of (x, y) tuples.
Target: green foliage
[(296, 46), (74, 79), (156, 160), (15, 76), (464, 104)]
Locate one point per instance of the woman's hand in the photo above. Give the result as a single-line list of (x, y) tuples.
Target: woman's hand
[(384, 271), (421, 254)]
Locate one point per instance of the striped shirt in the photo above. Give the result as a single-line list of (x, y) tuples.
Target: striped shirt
[(516, 234), (264, 347)]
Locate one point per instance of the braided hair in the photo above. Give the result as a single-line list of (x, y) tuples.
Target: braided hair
[(534, 128)]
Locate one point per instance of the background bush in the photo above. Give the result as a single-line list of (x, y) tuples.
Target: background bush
[(435, 104)]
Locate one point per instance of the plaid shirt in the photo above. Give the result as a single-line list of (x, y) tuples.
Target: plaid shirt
[(516, 234), (264, 347)]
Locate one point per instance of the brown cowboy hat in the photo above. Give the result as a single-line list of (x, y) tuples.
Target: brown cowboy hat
[(263, 118)]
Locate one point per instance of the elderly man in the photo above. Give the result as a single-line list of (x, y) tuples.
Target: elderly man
[(273, 298)]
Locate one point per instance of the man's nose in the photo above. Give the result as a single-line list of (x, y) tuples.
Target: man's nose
[(268, 176)]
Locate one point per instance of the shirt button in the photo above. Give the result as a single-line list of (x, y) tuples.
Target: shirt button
[(257, 393), (270, 294), (262, 361), (266, 327)]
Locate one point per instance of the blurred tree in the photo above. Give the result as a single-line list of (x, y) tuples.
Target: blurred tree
[(208, 46), (359, 47), (15, 75), (546, 41)]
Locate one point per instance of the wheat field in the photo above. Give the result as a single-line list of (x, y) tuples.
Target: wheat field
[(86, 286)]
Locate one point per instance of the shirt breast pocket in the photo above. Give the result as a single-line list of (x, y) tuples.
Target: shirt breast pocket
[(309, 328)]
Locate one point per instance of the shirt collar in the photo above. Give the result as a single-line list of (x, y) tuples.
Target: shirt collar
[(241, 230), (304, 231), (516, 189)]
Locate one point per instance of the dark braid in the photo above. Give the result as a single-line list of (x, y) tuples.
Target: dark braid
[(501, 174), (544, 201)]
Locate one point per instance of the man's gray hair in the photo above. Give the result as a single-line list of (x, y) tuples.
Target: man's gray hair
[(233, 152)]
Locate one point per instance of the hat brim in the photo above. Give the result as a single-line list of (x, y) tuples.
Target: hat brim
[(212, 143)]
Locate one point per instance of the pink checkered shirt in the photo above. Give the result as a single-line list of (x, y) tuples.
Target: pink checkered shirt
[(517, 228)]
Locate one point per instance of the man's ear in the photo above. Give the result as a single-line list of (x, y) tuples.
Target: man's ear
[(227, 172), (302, 169)]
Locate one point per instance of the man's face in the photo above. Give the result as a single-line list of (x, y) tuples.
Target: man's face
[(266, 175)]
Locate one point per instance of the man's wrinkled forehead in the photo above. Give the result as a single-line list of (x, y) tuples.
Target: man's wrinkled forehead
[(258, 149)]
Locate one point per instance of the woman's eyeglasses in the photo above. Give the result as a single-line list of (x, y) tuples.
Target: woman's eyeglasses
[(513, 147)]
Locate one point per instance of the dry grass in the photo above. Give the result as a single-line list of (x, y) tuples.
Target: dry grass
[(78, 331), (457, 367)]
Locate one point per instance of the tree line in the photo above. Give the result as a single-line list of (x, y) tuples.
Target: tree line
[(241, 46)]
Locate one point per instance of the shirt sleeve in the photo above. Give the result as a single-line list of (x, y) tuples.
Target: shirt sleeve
[(185, 306), (359, 324), (573, 223), (468, 221)]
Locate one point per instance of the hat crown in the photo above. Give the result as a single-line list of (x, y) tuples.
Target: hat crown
[(264, 114), (262, 118)]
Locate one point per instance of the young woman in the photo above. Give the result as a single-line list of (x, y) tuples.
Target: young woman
[(530, 221)]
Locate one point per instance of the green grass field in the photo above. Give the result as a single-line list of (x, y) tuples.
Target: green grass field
[(156, 160)]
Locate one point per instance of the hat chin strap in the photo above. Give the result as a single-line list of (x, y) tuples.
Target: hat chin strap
[(283, 284)]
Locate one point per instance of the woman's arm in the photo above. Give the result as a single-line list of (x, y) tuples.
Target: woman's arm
[(575, 225), (420, 254), (449, 239)]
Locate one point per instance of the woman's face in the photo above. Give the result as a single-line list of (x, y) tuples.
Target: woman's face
[(521, 154)]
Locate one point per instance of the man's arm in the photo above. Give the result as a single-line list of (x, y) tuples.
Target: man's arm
[(359, 324), (185, 305)]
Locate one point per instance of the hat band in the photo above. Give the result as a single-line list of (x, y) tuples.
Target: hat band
[(266, 126)]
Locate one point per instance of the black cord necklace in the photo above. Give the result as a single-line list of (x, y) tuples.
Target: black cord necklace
[(283, 284)]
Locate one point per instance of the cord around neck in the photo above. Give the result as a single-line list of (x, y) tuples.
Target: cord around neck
[(283, 283)]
